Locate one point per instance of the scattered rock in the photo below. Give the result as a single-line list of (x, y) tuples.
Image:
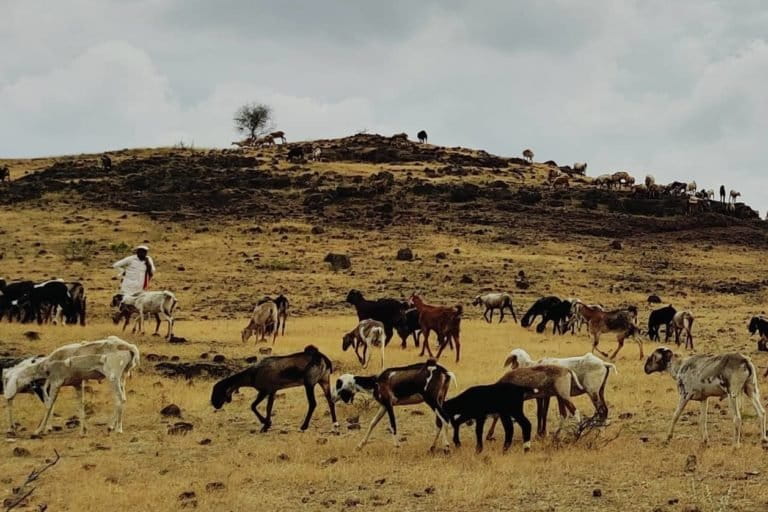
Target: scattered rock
[(177, 339), (330, 461), (21, 452), (265, 351), (171, 411), (690, 464), (180, 428), (283, 457), (404, 254), (317, 230), (441, 256), (465, 279), (204, 442), (338, 261), (616, 245), (215, 486), (188, 499), (596, 493), (625, 415), (219, 358), (352, 502), (32, 335)]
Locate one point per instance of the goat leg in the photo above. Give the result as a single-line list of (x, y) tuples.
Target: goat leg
[(326, 387), (311, 404), (479, 424), (270, 403), (260, 396), (506, 422)]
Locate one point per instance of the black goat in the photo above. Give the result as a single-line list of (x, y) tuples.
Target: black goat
[(409, 326), (662, 316), (479, 402), (51, 294), (389, 312), (759, 325), (550, 309), (540, 308), (15, 300), (422, 136), (271, 374)]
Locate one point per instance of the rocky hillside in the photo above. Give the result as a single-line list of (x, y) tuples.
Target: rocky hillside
[(368, 181)]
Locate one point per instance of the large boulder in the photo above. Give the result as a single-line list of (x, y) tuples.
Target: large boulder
[(338, 261), (405, 254)]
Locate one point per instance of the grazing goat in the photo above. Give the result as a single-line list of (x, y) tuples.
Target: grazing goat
[(277, 135), (577, 319), (503, 400), (722, 193), (48, 295), (161, 304), (682, 322), (409, 326), (493, 301), (387, 311), (545, 381), (295, 154), (711, 194), (425, 382), (650, 181), (691, 187), (5, 174), (620, 178), (734, 196), (10, 378), (16, 296), (550, 309), (759, 324), (268, 376), (620, 321), (422, 136), (657, 318), (604, 180), (367, 335), (21, 377), (75, 371), (106, 162), (703, 376), (528, 155), (264, 319), (281, 301), (444, 320), (591, 371)]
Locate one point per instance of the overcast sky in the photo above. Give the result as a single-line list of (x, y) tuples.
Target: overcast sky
[(676, 89)]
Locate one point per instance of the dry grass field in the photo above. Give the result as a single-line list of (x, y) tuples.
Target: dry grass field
[(219, 266)]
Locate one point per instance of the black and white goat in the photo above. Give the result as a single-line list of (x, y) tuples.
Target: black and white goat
[(367, 335), (425, 382), (759, 324)]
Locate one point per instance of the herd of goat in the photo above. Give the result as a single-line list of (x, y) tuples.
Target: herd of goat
[(698, 377)]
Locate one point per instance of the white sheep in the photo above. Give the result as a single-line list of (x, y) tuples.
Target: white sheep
[(591, 371), (75, 371)]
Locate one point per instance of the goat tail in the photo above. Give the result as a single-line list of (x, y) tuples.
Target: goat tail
[(135, 358), (575, 380), (611, 366)]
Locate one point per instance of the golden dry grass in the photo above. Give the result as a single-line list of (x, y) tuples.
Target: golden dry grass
[(218, 269)]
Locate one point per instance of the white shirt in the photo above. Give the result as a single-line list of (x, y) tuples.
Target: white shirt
[(133, 271)]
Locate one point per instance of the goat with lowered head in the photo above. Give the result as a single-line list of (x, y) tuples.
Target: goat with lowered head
[(161, 304), (759, 324), (387, 311), (264, 319), (425, 382), (501, 399), (75, 371), (445, 321), (720, 376), (367, 335), (268, 376), (32, 372), (591, 372)]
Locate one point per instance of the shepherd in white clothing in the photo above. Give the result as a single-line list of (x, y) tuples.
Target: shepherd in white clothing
[(137, 271)]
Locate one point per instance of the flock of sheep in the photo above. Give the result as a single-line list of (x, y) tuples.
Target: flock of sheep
[(698, 377)]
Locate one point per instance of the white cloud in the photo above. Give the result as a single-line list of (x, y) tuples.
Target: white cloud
[(619, 84)]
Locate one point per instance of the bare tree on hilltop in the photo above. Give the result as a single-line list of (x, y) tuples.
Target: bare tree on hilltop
[(253, 119)]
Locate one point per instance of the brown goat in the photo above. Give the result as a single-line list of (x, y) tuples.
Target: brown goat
[(620, 321), (545, 382), (445, 321)]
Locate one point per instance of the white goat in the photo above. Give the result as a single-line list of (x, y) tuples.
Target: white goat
[(734, 194), (682, 322), (367, 335), (591, 372), (691, 187), (703, 376), (711, 194), (21, 377), (263, 318), (159, 303), (75, 371), (650, 181), (493, 301)]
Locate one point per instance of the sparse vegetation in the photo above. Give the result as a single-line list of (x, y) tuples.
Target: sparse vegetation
[(80, 249)]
